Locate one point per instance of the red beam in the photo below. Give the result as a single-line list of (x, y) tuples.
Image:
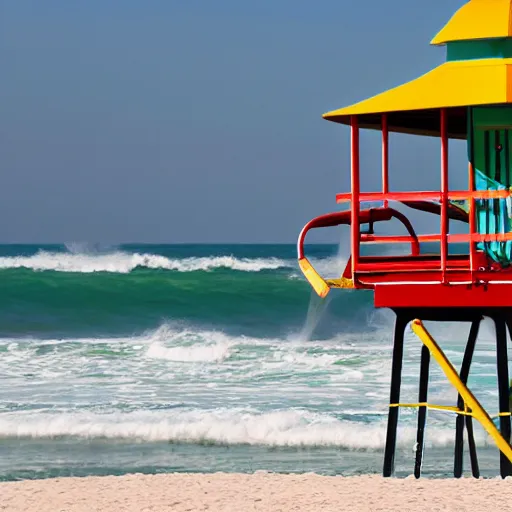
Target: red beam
[(385, 157), (391, 196), (424, 196), (458, 238), (376, 239), (430, 295), (372, 269), (444, 193), (479, 194), (355, 186), (472, 217), (408, 265)]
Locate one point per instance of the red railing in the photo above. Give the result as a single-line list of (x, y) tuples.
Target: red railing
[(455, 195), (370, 216), (356, 197), (458, 238)]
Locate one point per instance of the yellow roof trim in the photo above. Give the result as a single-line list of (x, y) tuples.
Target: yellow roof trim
[(453, 84), (478, 19)]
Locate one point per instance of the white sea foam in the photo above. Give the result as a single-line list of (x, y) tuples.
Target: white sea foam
[(210, 372), (296, 358), (216, 352), (286, 428), (190, 345), (181, 344), (121, 262)]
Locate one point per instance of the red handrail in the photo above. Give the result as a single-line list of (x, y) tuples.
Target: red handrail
[(431, 195), (365, 217)]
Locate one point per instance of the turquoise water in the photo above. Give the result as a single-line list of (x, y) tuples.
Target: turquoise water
[(206, 358)]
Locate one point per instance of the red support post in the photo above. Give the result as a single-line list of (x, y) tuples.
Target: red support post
[(385, 157), (472, 220), (355, 186), (444, 194)]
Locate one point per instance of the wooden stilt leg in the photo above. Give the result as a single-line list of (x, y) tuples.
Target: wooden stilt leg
[(459, 426), (503, 387), (396, 379), (422, 411), (475, 469)]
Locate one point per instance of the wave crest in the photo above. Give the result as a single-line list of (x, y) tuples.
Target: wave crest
[(285, 428), (122, 262)]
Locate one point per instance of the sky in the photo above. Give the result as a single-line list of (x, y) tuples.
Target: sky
[(199, 121)]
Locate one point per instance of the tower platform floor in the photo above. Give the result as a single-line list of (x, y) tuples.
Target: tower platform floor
[(419, 282)]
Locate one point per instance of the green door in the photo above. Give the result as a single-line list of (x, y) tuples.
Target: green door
[(490, 149)]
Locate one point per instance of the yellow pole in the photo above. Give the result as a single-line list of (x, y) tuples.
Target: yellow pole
[(477, 410)]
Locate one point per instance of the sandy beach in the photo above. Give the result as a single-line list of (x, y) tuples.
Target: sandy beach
[(255, 492)]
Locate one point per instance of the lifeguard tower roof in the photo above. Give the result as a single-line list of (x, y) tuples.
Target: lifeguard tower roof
[(478, 19), (477, 71)]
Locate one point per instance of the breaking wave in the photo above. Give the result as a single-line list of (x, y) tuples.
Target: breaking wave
[(285, 428), (121, 262)]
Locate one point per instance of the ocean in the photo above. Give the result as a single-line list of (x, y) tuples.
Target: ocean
[(205, 358)]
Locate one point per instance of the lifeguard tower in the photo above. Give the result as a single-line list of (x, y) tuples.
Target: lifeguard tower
[(468, 97)]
